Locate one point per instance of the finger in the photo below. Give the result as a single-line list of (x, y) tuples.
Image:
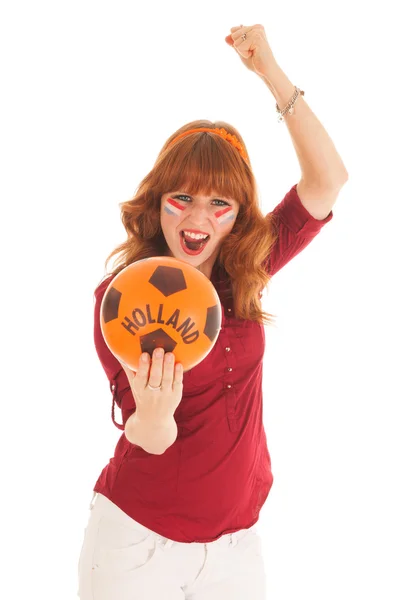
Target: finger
[(156, 369), (168, 370), (242, 46), (178, 376), (236, 35), (141, 375), (245, 28), (230, 39)]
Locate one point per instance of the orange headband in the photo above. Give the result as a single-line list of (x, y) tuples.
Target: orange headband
[(232, 139)]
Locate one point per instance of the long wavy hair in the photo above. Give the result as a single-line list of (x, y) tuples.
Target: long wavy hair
[(203, 163)]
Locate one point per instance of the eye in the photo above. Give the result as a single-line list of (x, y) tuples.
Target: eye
[(179, 196)]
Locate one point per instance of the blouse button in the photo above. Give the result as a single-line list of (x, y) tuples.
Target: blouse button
[(229, 310), (227, 349), (229, 385), (229, 369)]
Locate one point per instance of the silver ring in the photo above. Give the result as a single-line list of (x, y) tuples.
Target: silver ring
[(244, 36), (153, 388)]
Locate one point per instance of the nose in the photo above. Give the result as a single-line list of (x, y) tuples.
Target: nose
[(200, 215)]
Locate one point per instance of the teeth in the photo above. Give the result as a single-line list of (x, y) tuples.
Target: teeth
[(196, 236)]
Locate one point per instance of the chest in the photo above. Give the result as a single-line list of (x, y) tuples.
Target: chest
[(239, 348)]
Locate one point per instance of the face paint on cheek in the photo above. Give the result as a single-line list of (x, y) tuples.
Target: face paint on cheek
[(171, 207), (225, 215)]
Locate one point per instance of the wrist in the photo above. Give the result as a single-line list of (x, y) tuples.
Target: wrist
[(270, 72)]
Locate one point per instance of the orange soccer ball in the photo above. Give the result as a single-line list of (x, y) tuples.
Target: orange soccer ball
[(160, 302)]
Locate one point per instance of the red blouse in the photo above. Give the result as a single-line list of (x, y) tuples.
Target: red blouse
[(217, 475)]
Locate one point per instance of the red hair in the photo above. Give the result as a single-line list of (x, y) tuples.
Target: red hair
[(203, 163)]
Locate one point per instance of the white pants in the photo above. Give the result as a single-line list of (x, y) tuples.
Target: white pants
[(121, 559)]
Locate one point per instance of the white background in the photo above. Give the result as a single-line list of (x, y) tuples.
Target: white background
[(90, 92)]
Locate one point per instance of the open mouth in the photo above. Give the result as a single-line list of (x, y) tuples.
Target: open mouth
[(191, 244)]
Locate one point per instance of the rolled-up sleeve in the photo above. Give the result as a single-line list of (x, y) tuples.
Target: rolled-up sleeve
[(296, 229)]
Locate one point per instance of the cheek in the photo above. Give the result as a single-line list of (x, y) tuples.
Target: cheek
[(172, 209), (169, 221), (225, 217)]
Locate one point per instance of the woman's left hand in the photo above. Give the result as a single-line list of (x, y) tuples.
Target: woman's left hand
[(255, 51)]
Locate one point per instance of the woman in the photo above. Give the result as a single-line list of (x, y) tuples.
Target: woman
[(175, 509)]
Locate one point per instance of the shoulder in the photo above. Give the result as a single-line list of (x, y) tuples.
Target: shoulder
[(103, 285)]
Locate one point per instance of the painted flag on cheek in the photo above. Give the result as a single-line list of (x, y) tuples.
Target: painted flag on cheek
[(172, 207), (225, 215)]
